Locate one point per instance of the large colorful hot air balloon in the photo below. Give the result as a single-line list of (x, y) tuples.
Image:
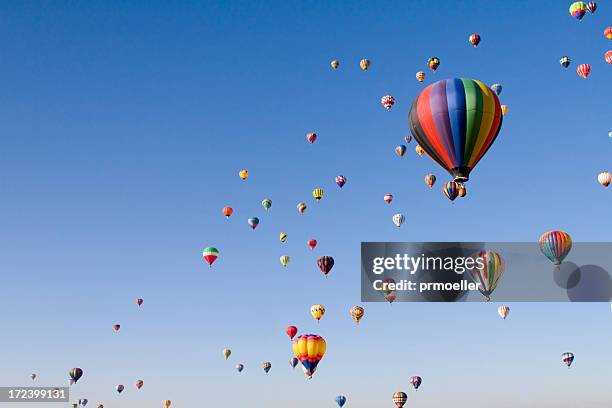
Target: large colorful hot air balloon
[(604, 178), (317, 193), (583, 70), (503, 311), (309, 350), (120, 388), (451, 190), (284, 260), (228, 211), (293, 362), (608, 33), (568, 359), (565, 61), (266, 203), (608, 56), (578, 9), (253, 222), (433, 63), (282, 237), (388, 198), (311, 137), (416, 381), (400, 150), (317, 311), (335, 64), (555, 245), (167, 403), (266, 366), (243, 174), (456, 121), (139, 384), (430, 180), (398, 219), (291, 331), (226, 353), (591, 7), (474, 39), (497, 88), (325, 263), (76, 374), (400, 398), (239, 367), (116, 327), (364, 64), (341, 181), (210, 255), (301, 207), (420, 76), (387, 102), (357, 313), (489, 275), (312, 243)]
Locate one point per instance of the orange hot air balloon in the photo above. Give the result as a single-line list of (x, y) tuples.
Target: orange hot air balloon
[(228, 211), (309, 350)]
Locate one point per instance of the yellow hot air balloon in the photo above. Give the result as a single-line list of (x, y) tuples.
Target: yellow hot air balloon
[(317, 311), (284, 260), (309, 350), (419, 150), (364, 64), (335, 64), (226, 353), (504, 109), (283, 237), (317, 193), (167, 403), (244, 174)]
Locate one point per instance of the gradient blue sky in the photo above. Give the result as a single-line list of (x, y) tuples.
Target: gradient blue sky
[(123, 128)]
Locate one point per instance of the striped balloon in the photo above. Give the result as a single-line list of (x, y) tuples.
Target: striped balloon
[(210, 255), (451, 190), (608, 56), (398, 220), (583, 70), (400, 150), (430, 180), (591, 7), (578, 9), (309, 350), (555, 245), (456, 121), (503, 311), (568, 359), (420, 76), (604, 178), (317, 193), (400, 398), (489, 274)]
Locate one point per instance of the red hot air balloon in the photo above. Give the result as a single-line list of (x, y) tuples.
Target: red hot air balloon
[(608, 56), (139, 384), (325, 263), (291, 331), (228, 211), (474, 40), (312, 243), (583, 70), (139, 301)]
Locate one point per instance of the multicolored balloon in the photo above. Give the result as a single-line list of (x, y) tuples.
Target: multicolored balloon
[(253, 222), (76, 374), (335, 64), (317, 311), (309, 350), (312, 243), (400, 150), (210, 255), (591, 7), (419, 150), (489, 275), (311, 137), (400, 398), (228, 211), (497, 88), (420, 76), (461, 191), (503, 311), (408, 139), (266, 204), (243, 174), (388, 198), (357, 313), (555, 245), (583, 70), (284, 260), (398, 219), (451, 190), (433, 63), (325, 264), (474, 39), (293, 362), (604, 178), (301, 207), (430, 180), (416, 381), (568, 359), (341, 181), (578, 9), (387, 102), (364, 64), (291, 331), (608, 33), (239, 367), (317, 193), (565, 61), (266, 366)]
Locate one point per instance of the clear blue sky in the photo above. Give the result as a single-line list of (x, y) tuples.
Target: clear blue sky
[(123, 128)]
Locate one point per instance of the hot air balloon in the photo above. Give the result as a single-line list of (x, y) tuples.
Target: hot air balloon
[(266, 204), (387, 102), (433, 63), (282, 237), (450, 190), (210, 255), (340, 400), (76, 374), (416, 381), (228, 211), (565, 61), (301, 208), (364, 64), (608, 56), (311, 137), (253, 222), (583, 70), (284, 260), (419, 150), (568, 359), (420, 76), (408, 139), (317, 193), (555, 245), (317, 311), (335, 64), (388, 294), (604, 178), (497, 88), (325, 264), (504, 109), (400, 150), (139, 301), (398, 219), (456, 121), (608, 33), (239, 367), (388, 198), (83, 402), (139, 384), (357, 313), (578, 9), (503, 311), (33, 376), (312, 243), (430, 180), (226, 353), (100, 406), (243, 174), (309, 350), (167, 403), (293, 362), (341, 181), (266, 366), (591, 7), (489, 275), (116, 327), (461, 191), (400, 398), (120, 388), (291, 331), (474, 39)]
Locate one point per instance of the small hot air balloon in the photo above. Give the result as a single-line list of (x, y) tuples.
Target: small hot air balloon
[(433, 63), (243, 174), (474, 40), (167, 403), (489, 275), (461, 191), (387, 102), (228, 211), (578, 9), (317, 193), (120, 388), (253, 222), (504, 109), (503, 311), (388, 198), (301, 207), (497, 88), (335, 64), (389, 294), (291, 331), (341, 181), (604, 178), (583, 70), (139, 384), (309, 350), (568, 359), (116, 327), (139, 301), (591, 7), (357, 313), (325, 264), (76, 374), (210, 255), (284, 260), (408, 139), (226, 353), (430, 180), (608, 56), (400, 398), (83, 402), (420, 76), (555, 245), (266, 204), (608, 33), (416, 381), (266, 366), (398, 220), (400, 150), (317, 311), (293, 362), (312, 243), (100, 406), (311, 137), (239, 367), (450, 190), (282, 237), (340, 400), (565, 61), (419, 150), (33, 376), (364, 64)]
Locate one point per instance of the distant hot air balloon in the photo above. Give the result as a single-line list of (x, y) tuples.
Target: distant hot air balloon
[(210, 255), (503, 311), (400, 150), (311, 137), (583, 70), (497, 88), (604, 178), (398, 219), (291, 331), (317, 311), (139, 384), (408, 139), (317, 193), (243, 174), (83, 402), (228, 211), (591, 7), (439, 123), (120, 388), (555, 245), (461, 191), (253, 222), (433, 63), (167, 403), (76, 374), (309, 350), (284, 260), (430, 180), (340, 400), (266, 204), (33, 376), (301, 208), (239, 367), (608, 56), (450, 190), (420, 76), (389, 294), (388, 198), (416, 381), (565, 61), (489, 275), (341, 181), (608, 33), (504, 109), (400, 398), (312, 243), (226, 353), (474, 39), (357, 313), (419, 150), (578, 9), (364, 64), (335, 64), (387, 102), (282, 237), (325, 264), (116, 327), (293, 362), (568, 359), (139, 301), (266, 366)]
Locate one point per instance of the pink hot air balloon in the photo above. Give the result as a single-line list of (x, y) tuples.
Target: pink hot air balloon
[(388, 198), (139, 384), (116, 327), (583, 70)]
